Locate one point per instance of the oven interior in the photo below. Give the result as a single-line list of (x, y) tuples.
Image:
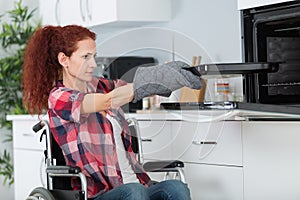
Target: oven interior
[(272, 34)]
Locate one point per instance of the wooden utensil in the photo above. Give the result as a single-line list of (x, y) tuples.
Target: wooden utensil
[(190, 95)]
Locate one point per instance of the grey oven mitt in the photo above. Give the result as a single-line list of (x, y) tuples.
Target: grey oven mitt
[(164, 79)]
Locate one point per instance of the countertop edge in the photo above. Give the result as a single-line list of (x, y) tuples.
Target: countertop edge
[(239, 114)]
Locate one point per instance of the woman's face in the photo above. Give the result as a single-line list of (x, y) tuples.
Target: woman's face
[(82, 62)]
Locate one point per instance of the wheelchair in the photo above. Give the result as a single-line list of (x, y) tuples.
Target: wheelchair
[(59, 175)]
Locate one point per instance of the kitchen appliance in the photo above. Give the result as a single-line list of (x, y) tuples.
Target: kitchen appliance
[(124, 68), (271, 48), (272, 34), (271, 68)]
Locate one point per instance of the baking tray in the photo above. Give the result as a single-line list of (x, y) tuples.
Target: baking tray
[(237, 68), (227, 105)]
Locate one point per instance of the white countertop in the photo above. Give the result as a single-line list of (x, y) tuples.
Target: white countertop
[(187, 115)]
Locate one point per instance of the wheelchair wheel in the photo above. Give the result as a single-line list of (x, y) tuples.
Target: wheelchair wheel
[(40, 193)]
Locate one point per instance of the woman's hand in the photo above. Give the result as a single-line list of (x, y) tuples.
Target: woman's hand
[(164, 79)]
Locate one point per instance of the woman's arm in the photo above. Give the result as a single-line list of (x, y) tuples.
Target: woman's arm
[(97, 102)]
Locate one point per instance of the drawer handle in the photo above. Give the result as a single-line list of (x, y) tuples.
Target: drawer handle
[(28, 134), (146, 140), (204, 142)]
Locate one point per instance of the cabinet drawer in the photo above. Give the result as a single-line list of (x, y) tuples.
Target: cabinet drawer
[(214, 182), (156, 139), (212, 143), (29, 172), (24, 137)]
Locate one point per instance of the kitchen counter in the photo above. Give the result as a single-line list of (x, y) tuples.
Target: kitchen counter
[(236, 111), (242, 112), (168, 115)]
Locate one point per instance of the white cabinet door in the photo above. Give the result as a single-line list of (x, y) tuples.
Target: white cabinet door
[(271, 160), (50, 11), (156, 136), (211, 182), (97, 12), (73, 12), (107, 11), (28, 171), (101, 11), (25, 137), (63, 12), (211, 143), (245, 4)]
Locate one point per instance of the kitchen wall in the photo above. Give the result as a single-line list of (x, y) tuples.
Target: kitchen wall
[(211, 30), (7, 192)]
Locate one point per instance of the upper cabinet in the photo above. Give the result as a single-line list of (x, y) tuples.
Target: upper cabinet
[(99, 12), (49, 11), (245, 4)]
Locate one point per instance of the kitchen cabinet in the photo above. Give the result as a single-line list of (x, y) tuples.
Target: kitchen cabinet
[(28, 171), (100, 12), (49, 12), (156, 139), (271, 160), (109, 11), (63, 12), (72, 12), (156, 142), (223, 159), (28, 157), (245, 4), (212, 153), (209, 142), (214, 182)]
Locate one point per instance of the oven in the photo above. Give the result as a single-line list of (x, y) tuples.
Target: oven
[(271, 63), (271, 34)]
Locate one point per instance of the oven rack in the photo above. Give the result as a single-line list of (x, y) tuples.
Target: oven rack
[(281, 84)]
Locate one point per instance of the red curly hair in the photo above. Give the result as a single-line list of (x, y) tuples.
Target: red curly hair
[(41, 68)]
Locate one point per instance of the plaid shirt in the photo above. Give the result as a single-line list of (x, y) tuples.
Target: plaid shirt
[(87, 140)]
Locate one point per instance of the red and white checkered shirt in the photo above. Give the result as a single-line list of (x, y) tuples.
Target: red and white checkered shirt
[(87, 140)]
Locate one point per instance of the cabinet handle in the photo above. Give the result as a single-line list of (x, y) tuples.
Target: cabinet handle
[(28, 134), (56, 12), (204, 142), (146, 140), (81, 11), (89, 14)]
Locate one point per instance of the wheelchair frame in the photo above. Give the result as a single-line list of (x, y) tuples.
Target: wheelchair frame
[(53, 170)]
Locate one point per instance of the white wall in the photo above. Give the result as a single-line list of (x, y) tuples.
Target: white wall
[(212, 32), (7, 192)]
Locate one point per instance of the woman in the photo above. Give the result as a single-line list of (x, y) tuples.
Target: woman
[(84, 111)]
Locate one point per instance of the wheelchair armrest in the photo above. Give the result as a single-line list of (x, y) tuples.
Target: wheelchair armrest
[(63, 170), (161, 166), (68, 171)]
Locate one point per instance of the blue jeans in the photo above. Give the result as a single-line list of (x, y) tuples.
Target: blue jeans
[(165, 190)]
